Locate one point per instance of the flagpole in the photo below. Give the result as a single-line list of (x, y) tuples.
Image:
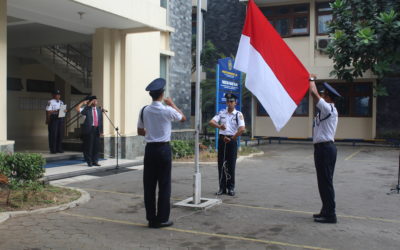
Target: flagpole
[(197, 174), (196, 201)]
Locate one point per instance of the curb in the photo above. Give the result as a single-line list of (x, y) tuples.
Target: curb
[(242, 157), (85, 197), (90, 171)]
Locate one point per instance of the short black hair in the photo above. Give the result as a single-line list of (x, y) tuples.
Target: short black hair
[(333, 97), (156, 94)]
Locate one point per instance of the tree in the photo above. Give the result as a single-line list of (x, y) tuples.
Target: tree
[(208, 58), (365, 36)]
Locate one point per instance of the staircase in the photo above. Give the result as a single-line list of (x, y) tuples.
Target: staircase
[(67, 62)]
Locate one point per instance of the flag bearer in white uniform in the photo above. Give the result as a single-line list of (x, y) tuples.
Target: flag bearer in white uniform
[(325, 152)]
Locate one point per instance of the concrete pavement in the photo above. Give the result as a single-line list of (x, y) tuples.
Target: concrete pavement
[(276, 196)]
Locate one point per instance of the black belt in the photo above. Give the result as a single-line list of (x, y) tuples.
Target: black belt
[(228, 136), (159, 143), (323, 143)]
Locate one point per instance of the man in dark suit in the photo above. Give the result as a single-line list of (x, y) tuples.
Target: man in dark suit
[(92, 128)]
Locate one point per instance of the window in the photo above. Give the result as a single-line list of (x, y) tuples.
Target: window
[(324, 16), (292, 20), (163, 66), (39, 86), (14, 84), (301, 110), (164, 3), (356, 99)]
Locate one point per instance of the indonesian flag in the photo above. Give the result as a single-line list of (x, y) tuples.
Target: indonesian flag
[(274, 74)]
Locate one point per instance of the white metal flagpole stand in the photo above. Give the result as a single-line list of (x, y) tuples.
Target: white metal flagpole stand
[(196, 201)]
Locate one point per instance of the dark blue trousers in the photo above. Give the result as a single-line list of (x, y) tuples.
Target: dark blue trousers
[(157, 171), (56, 133), (226, 152), (91, 145), (325, 160)]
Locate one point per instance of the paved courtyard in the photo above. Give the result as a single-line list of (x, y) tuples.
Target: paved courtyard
[(276, 196)]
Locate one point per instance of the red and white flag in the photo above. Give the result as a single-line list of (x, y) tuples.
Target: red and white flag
[(274, 74)]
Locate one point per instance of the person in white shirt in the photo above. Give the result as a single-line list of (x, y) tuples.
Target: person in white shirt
[(230, 123), (154, 124), (325, 153), (54, 123)]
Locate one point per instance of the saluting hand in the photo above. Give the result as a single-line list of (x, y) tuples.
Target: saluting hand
[(169, 101)]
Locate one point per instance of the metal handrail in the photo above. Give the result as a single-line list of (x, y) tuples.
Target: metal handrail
[(72, 57)]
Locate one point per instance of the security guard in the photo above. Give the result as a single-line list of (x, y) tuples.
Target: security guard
[(230, 123), (154, 124), (54, 123), (325, 152)]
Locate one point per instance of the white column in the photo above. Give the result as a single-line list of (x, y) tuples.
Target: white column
[(3, 70), (101, 70), (109, 75)]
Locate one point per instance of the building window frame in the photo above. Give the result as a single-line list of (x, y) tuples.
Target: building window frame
[(319, 13), (291, 15), (349, 94), (164, 70)]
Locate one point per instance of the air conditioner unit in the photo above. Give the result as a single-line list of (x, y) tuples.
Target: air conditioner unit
[(322, 43)]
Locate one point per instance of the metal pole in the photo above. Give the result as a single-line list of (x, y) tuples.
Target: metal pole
[(217, 106), (197, 175)]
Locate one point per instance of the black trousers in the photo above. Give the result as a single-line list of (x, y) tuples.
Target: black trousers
[(325, 160), (157, 171), (226, 152), (91, 145), (56, 133)]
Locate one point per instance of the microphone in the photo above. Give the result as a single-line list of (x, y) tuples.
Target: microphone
[(103, 110)]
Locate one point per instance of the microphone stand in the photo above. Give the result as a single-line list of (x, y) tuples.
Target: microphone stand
[(118, 135)]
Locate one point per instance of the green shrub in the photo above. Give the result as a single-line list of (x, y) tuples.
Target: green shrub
[(22, 166), (182, 149)]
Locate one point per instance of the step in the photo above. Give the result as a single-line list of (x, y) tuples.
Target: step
[(68, 171), (72, 145), (62, 156)]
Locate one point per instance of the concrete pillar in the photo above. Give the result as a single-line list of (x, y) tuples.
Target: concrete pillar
[(123, 65), (108, 81), (6, 146)]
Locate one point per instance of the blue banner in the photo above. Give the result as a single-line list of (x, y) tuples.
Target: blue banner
[(228, 81)]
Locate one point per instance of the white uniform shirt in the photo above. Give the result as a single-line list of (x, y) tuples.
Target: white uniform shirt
[(157, 120), (324, 130), (229, 120), (54, 105)]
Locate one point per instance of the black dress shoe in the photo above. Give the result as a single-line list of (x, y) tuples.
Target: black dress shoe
[(60, 151), (326, 219), (154, 224), (96, 164), (231, 192), (166, 224), (162, 224), (90, 164), (317, 215), (221, 192)]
